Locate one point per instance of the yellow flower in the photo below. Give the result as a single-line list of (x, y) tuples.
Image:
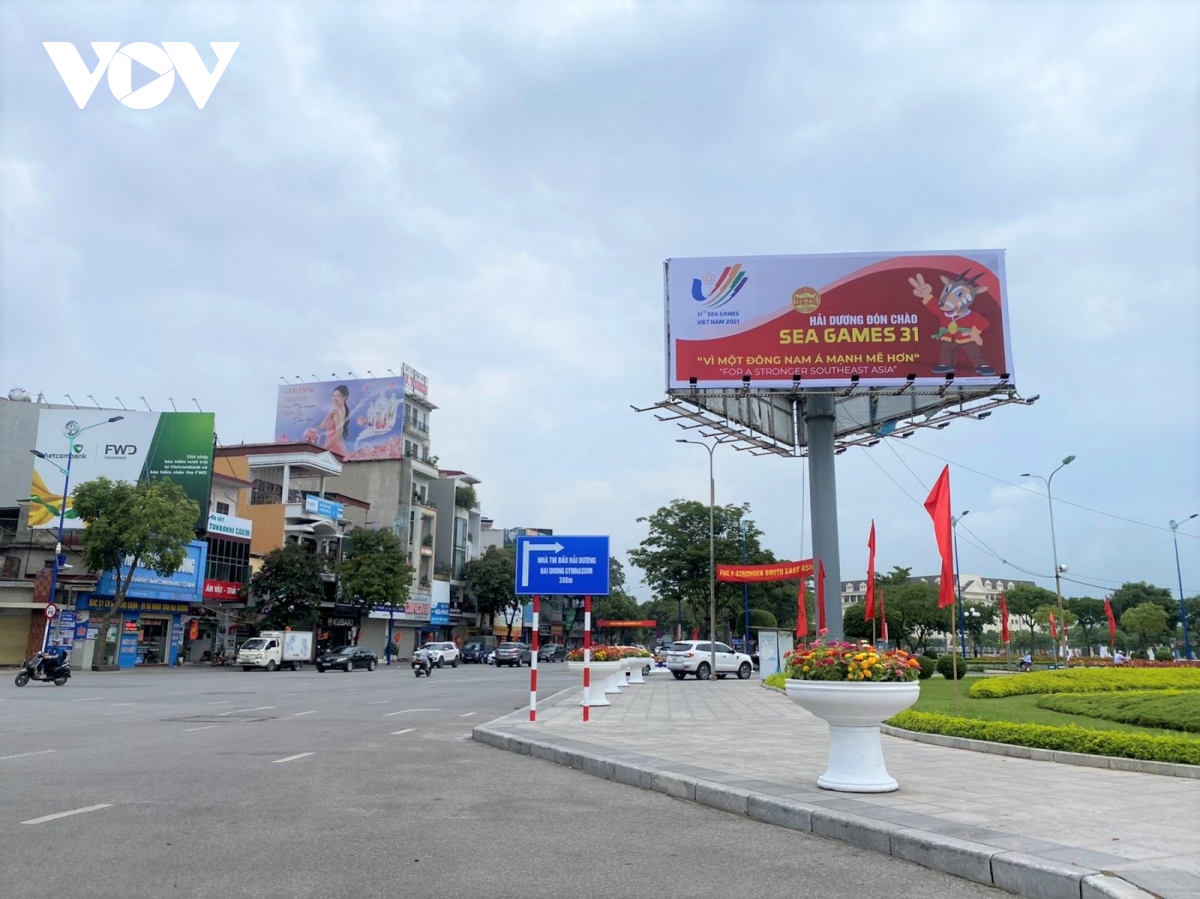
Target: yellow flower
[(860, 656)]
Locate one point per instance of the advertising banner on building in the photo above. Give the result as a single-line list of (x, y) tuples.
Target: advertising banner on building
[(415, 381), (358, 420), (185, 585), (142, 446), (229, 526), (878, 316)]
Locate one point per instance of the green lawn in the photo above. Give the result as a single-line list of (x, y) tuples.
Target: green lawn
[(937, 696)]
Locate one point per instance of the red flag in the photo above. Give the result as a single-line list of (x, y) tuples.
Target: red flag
[(801, 611), (869, 611), (821, 596), (1112, 621), (937, 504), (1053, 627), (883, 616), (1004, 635)]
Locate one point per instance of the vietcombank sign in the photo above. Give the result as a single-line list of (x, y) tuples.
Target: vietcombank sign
[(142, 446)]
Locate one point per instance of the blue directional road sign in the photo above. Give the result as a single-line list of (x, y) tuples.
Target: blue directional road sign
[(563, 566)]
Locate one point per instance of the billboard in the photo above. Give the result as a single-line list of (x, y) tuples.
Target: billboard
[(878, 316), (358, 420), (142, 446), (185, 585)]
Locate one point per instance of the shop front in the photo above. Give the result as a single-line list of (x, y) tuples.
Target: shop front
[(403, 627), (148, 629), (338, 626)]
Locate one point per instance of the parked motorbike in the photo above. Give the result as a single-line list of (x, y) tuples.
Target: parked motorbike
[(422, 664), (57, 673)]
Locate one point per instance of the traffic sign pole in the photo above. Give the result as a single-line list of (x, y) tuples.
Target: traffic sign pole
[(587, 655), (533, 654)]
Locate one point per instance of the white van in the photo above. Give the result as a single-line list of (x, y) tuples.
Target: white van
[(276, 649)]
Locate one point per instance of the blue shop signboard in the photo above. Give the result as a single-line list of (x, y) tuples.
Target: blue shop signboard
[(158, 598), (439, 613)]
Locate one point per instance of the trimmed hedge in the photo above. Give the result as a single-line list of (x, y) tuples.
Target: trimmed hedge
[(1179, 750), (928, 666), (948, 665), (1087, 680), (1169, 709), (778, 679)]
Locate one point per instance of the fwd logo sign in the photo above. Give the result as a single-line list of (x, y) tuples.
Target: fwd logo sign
[(117, 60), (118, 449)]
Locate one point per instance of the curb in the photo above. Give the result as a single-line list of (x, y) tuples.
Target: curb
[(1015, 872)]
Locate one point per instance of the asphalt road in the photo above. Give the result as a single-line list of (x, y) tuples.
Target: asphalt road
[(223, 783)]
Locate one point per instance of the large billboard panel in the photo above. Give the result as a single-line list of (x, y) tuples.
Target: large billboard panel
[(880, 316), (358, 420), (142, 446)]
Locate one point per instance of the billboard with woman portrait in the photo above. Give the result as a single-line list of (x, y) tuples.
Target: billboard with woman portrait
[(356, 419)]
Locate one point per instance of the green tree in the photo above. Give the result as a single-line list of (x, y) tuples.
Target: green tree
[(1132, 594), (289, 587), (144, 525), (1091, 620), (853, 626), (763, 618), (674, 557), (913, 615), (1148, 621), (974, 624), (1023, 604), (492, 580), (464, 497), (1193, 614), (374, 570)]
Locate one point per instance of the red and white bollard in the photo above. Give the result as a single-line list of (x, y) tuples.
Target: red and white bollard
[(587, 655), (533, 654)]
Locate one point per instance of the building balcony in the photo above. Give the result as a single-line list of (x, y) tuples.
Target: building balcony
[(417, 427)]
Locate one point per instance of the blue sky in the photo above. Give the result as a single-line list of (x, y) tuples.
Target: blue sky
[(487, 192)]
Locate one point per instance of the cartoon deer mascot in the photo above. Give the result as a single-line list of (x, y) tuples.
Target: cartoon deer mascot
[(961, 328)]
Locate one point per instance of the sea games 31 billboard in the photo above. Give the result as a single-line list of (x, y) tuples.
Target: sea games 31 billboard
[(881, 316), (142, 446), (358, 420)]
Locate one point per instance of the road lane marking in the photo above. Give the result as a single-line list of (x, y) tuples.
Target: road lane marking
[(220, 702), (378, 701), (89, 699), (466, 714), (122, 703), (188, 730), (407, 730), (77, 811), (21, 755), (298, 714), (122, 712), (403, 711), (257, 708), (291, 758)]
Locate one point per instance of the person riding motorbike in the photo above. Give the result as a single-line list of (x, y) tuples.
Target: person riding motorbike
[(423, 658), (50, 660), (1026, 662)]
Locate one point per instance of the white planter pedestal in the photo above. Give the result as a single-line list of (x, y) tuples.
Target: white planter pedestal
[(601, 672), (635, 670), (854, 711)]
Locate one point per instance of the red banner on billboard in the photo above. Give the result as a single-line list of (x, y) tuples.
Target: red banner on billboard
[(776, 571), (225, 591), (877, 317), (604, 622)]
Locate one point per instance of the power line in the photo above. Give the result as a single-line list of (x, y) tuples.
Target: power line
[(1065, 502)]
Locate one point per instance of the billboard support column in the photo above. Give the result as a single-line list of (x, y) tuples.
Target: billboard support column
[(819, 423)]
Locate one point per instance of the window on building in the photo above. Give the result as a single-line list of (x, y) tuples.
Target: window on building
[(222, 508), (268, 487), (228, 560)]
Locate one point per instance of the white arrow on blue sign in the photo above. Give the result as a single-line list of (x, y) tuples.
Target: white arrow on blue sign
[(563, 566)]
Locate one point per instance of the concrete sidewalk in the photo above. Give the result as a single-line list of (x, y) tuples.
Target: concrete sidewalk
[(1035, 828)]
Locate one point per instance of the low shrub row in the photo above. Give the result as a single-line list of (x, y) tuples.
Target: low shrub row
[(1180, 750), (1086, 680), (1133, 663), (779, 679), (1169, 709)]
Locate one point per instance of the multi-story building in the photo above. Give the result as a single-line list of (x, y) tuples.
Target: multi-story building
[(976, 590)]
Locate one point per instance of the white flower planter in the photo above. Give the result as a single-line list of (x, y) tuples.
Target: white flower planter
[(854, 710), (601, 672), (616, 682)]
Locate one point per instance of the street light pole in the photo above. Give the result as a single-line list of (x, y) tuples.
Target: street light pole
[(712, 555), (962, 629), (1183, 612), (72, 431), (745, 592), (1058, 569)]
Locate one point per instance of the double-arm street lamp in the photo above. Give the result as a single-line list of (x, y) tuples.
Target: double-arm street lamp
[(712, 556), (1183, 612), (71, 431), (1058, 569)]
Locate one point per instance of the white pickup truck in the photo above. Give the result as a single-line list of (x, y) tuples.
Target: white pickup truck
[(276, 649)]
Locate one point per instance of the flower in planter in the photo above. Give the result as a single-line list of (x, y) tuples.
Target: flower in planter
[(850, 662), (600, 653)]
